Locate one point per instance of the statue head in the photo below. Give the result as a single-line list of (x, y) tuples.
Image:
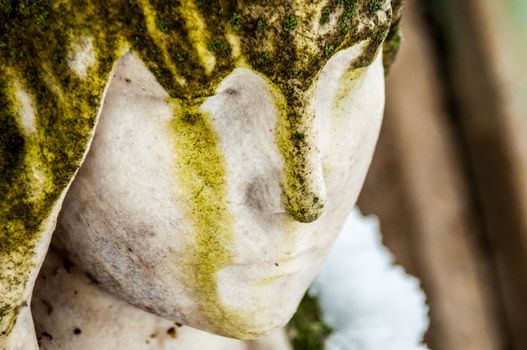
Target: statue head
[(228, 142)]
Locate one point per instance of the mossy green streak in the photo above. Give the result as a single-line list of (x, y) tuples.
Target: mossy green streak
[(36, 38), (201, 174)]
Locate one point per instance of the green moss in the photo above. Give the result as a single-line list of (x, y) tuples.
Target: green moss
[(348, 13), (261, 23), (307, 330), (219, 46), (328, 49), (162, 25), (375, 5), (235, 21), (289, 24), (324, 18)]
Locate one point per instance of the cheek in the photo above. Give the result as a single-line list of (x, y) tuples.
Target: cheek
[(352, 103)]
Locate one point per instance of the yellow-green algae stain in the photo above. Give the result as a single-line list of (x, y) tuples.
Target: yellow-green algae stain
[(201, 173), (35, 40)]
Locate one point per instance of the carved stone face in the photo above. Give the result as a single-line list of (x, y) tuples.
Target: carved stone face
[(188, 221), (232, 140)]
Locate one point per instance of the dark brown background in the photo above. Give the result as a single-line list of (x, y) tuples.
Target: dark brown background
[(449, 178)]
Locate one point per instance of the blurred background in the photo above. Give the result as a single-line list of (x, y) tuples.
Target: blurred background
[(449, 178)]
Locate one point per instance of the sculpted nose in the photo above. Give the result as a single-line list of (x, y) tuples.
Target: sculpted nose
[(269, 138), (303, 186)]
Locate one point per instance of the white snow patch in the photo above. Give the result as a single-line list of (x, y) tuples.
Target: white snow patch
[(369, 302), (26, 109), (81, 56)]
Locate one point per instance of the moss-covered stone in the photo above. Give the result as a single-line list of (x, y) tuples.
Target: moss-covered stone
[(188, 46)]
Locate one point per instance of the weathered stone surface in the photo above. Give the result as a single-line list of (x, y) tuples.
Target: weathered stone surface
[(56, 60)]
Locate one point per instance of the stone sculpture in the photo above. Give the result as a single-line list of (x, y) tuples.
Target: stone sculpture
[(203, 155)]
